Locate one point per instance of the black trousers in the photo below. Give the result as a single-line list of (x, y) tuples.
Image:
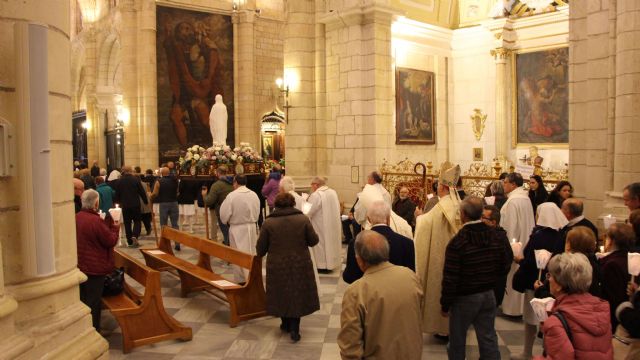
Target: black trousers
[(291, 323), (132, 215), (91, 294), (146, 220)]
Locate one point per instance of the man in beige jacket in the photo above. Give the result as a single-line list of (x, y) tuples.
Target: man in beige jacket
[(381, 312)]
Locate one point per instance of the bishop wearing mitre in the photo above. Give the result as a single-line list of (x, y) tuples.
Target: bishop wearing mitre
[(433, 232)]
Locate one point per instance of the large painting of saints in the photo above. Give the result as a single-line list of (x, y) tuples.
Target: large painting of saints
[(195, 63), (541, 112), (415, 107)]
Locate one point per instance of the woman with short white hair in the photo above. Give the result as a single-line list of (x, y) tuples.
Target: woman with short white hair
[(287, 185), (95, 240), (579, 326)]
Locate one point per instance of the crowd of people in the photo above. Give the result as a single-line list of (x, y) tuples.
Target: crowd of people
[(457, 261)]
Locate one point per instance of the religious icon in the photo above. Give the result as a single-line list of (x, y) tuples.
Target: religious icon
[(541, 112), (415, 107), (477, 123), (478, 154), (194, 64)]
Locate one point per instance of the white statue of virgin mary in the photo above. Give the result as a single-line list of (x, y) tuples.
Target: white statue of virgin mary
[(218, 121)]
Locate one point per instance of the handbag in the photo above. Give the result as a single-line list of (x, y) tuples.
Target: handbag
[(114, 282)]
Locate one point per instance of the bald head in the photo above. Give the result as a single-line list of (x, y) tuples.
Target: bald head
[(371, 249), (572, 208), (127, 169), (165, 171)]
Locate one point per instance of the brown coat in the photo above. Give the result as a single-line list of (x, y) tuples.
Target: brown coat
[(291, 286), (382, 316)]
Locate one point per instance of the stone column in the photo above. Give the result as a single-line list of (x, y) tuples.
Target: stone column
[(147, 80), (129, 42), (41, 316), (247, 124), (300, 71), (359, 94), (501, 56), (91, 73), (603, 114)]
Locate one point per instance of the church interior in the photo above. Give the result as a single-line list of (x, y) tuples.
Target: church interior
[(331, 88)]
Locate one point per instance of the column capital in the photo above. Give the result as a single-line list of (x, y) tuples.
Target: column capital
[(501, 54)]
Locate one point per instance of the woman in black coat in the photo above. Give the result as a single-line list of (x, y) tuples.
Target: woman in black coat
[(615, 274), (292, 291), (546, 235), (537, 193)]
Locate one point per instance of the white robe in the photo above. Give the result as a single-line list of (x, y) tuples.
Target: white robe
[(240, 209), (325, 218), (369, 195), (433, 232), (518, 221), (218, 121)]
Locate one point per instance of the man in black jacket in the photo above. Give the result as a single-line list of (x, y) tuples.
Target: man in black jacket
[(401, 249), (404, 207), (572, 209), (129, 191), (477, 257)]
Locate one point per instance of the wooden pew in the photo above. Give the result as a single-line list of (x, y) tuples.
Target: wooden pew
[(142, 317), (246, 301)]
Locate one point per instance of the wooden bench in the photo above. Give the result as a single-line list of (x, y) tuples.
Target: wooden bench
[(142, 317), (246, 301)]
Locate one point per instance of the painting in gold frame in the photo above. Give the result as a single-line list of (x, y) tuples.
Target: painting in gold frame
[(540, 98), (415, 107)]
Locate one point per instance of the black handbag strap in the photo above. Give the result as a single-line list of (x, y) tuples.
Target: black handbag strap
[(565, 325)]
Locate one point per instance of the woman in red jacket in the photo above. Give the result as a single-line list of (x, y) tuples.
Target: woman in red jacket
[(588, 332), (95, 240)]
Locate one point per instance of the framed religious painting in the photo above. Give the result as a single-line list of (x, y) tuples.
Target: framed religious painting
[(541, 98), (194, 55), (415, 107)]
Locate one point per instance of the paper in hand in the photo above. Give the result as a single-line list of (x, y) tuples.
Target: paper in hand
[(542, 258), (633, 262), (541, 307), (490, 200), (608, 221)]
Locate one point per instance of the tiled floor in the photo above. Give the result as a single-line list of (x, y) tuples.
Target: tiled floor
[(261, 338)]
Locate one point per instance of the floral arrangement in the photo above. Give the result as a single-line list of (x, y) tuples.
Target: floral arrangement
[(195, 155), (217, 154)]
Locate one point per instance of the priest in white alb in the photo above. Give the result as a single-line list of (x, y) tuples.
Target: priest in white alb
[(433, 232), (374, 182), (516, 218), (325, 218), (240, 210)]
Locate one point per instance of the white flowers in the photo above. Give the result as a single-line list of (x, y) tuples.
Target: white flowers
[(196, 157)]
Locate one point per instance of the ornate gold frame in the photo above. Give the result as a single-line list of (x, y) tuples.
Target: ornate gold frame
[(477, 123), (514, 100)]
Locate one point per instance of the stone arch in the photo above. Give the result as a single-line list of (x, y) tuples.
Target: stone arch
[(109, 62), (77, 75)]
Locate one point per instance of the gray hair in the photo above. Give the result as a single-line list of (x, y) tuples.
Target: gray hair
[(89, 198), (103, 172), (287, 184), (371, 247), (319, 180), (471, 207), (376, 176), (497, 188), (572, 271), (378, 212)]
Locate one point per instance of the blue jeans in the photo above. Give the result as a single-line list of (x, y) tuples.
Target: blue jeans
[(169, 210), (480, 310)]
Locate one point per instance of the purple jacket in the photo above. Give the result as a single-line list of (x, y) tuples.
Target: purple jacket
[(270, 190)]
